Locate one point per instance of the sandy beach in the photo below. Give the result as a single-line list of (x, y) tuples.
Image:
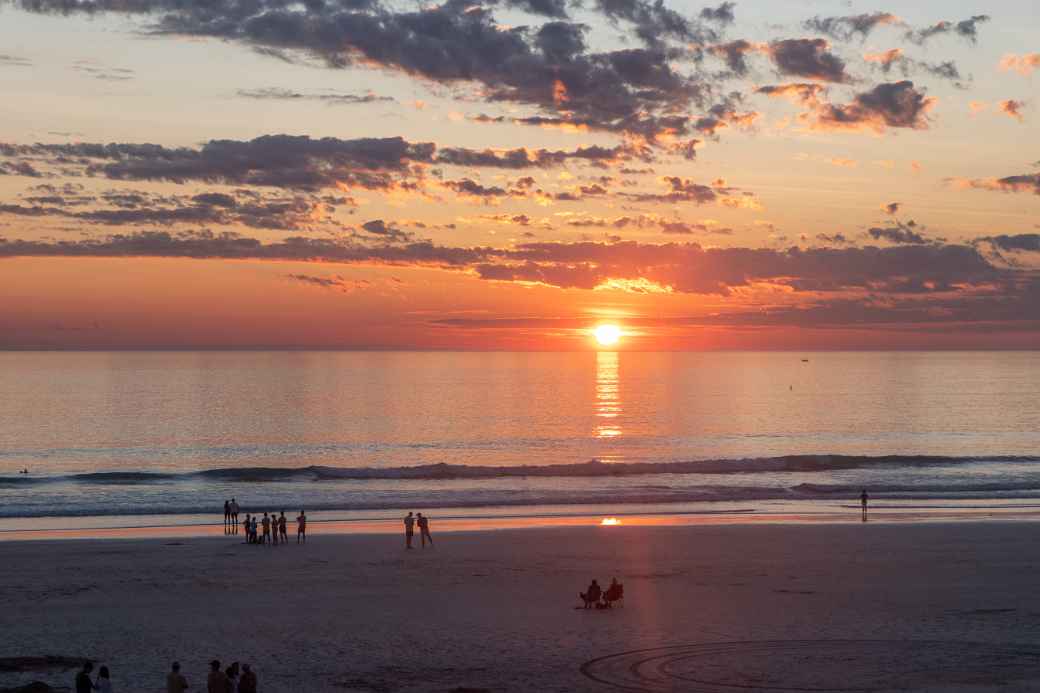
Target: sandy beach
[(935, 607)]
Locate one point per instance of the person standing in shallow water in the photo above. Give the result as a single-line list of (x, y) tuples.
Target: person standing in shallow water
[(863, 500), (424, 530), (409, 530)]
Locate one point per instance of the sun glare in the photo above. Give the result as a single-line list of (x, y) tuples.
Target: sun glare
[(607, 335), (610, 521)]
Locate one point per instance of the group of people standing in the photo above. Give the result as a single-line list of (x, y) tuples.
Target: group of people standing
[(273, 528), (230, 516), (410, 521), (102, 683)]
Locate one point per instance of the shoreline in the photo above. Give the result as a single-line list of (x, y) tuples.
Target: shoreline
[(506, 518)]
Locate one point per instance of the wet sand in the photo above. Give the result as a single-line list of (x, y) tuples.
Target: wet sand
[(926, 607)]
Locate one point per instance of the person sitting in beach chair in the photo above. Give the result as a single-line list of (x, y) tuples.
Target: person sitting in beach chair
[(592, 595), (614, 594)]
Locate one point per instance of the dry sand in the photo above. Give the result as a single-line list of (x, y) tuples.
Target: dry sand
[(936, 607)]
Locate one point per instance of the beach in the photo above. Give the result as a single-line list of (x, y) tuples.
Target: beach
[(929, 607)]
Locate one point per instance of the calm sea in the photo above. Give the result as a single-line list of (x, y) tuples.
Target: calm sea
[(154, 433)]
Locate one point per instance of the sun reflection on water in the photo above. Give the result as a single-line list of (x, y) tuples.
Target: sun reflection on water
[(608, 394)]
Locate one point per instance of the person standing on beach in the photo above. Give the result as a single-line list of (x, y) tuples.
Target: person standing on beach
[(232, 675), (252, 529), (83, 682), (266, 522), (424, 530), (409, 530), (175, 683), (245, 530), (274, 528), (217, 681), (234, 514), (301, 527), (247, 684), (104, 681), (863, 500), (227, 514), (281, 528)]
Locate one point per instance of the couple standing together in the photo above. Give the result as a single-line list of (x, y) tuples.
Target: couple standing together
[(424, 530)]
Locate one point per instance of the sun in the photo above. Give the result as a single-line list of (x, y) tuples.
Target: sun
[(607, 335)]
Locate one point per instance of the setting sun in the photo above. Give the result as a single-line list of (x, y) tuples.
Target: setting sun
[(607, 335)]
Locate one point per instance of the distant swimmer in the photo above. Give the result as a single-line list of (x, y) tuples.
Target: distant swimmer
[(863, 500)]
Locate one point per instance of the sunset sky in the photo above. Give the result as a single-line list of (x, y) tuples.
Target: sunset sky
[(506, 174)]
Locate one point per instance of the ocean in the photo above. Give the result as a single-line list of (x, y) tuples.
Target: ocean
[(128, 434)]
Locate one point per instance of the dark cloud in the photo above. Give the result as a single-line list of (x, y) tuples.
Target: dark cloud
[(332, 98), (687, 268), (845, 28), (632, 90), (545, 8), (967, 28), (900, 234), (681, 190), (1027, 183), (133, 209), (287, 161), (735, 54), (896, 59), (894, 104), (14, 61), (1026, 242), (805, 93), (19, 168), (723, 14), (388, 232), (335, 283), (809, 58)]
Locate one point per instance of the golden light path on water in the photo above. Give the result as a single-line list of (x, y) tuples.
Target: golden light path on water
[(608, 395)]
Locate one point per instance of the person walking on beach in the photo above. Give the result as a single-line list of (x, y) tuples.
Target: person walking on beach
[(83, 682), (227, 514), (266, 522), (281, 528), (104, 681), (301, 527), (217, 681), (424, 530), (175, 683), (247, 684), (409, 530), (234, 514), (863, 500)]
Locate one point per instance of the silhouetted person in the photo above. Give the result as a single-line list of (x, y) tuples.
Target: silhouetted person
[(232, 675), (83, 682), (234, 514), (175, 683), (409, 530), (227, 514), (274, 528), (266, 522), (301, 527), (863, 500), (104, 681), (253, 530), (424, 530), (217, 681), (246, 530), (592, 595), (281, 528), (247, 684)]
